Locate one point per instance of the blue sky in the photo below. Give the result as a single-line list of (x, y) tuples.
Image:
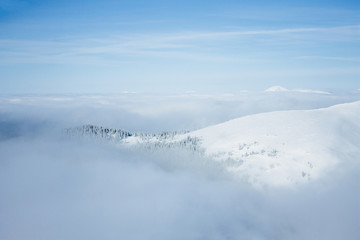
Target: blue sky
[(175, 46)]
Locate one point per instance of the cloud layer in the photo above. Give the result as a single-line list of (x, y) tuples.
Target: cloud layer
[(53, 187)]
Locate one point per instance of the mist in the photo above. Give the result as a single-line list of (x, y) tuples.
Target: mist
[(55, 187)]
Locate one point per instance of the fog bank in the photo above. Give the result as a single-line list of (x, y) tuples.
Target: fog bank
[(53, 187)]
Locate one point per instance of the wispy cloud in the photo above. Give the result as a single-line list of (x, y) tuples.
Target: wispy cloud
[(351, 59), (289, 14), (353, 30), (199, 45)]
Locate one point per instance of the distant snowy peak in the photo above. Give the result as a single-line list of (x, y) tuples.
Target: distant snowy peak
[(277, 89), (299, 90)]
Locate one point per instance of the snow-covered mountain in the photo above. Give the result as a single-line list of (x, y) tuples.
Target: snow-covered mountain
[(277, 148), (282, 148), (277, 89)]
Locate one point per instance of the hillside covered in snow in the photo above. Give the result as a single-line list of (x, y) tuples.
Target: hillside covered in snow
[(278, 148)]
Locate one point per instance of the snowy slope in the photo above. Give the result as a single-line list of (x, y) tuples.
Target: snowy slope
[(287, 147), (277, 148)]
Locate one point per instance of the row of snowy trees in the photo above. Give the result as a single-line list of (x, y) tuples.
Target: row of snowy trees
[(149, 141), (189, 143), (98, 132)]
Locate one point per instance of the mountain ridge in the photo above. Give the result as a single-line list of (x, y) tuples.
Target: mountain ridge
[(279, 148)]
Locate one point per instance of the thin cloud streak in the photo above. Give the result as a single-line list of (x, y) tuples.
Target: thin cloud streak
[(186, 45), (330, 58), (355, 29)]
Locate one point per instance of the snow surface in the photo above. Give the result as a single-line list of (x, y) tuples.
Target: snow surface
[(287, 147)]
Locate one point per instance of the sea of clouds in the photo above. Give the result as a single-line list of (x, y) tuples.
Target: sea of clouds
[(55, 187)]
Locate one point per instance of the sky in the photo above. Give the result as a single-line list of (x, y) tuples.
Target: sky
[(178, 46)]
